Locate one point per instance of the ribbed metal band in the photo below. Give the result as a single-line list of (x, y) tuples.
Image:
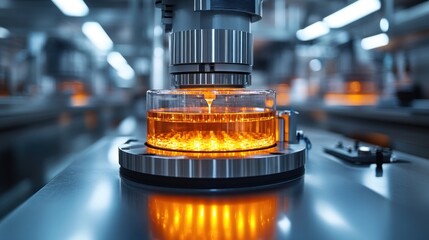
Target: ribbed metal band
[(211, 79), (285, 157), (211, 46), (210, 68)]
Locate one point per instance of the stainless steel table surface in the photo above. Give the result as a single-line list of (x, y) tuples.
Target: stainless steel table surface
[(333, 200)]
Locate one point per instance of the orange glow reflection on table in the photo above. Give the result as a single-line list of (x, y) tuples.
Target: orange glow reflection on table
[(192, 217)]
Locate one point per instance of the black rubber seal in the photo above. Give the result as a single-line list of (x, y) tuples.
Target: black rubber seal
[(210, 183)]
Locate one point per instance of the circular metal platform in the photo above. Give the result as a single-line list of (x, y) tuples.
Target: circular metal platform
[(218, 170)]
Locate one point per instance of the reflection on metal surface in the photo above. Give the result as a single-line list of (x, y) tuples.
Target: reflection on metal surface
[(101, 198), (331, 216), (134, 156), (113, 150), (380, 185), (314, 180), (82, 235), (196, 217)]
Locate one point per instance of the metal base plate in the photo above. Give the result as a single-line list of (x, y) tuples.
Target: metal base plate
[(283, 162)]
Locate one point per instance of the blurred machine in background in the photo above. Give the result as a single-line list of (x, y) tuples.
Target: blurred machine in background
[(70, 73)]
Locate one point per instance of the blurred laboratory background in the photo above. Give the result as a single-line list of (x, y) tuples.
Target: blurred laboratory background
[(72, 72)]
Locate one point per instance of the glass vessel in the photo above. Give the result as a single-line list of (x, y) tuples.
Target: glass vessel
[(211, 120)]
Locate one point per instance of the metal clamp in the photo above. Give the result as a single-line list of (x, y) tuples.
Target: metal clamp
[(287, 126)]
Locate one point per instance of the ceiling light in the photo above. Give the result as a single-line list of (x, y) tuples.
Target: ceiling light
[(313, 31), (384, 25), (4, 33), (157, 31), (351, 13), (126, 72), (74, 8), (315, 65), (120, 64), (96, 34), (376, 41), (116, 60)]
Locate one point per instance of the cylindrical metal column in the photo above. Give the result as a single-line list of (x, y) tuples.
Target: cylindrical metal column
[(210, 41)]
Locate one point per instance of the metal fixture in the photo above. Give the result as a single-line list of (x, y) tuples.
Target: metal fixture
[(210, 41), (285, 161), (210, 132)]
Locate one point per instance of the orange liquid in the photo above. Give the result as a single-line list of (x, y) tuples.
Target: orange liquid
[(192, 129)]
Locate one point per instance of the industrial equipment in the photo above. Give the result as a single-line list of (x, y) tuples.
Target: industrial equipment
[(210, 132)]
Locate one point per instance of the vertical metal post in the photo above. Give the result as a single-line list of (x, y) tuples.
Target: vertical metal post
[(286, 128)]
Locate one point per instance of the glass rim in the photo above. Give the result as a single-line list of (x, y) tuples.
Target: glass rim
[(217, 91)]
